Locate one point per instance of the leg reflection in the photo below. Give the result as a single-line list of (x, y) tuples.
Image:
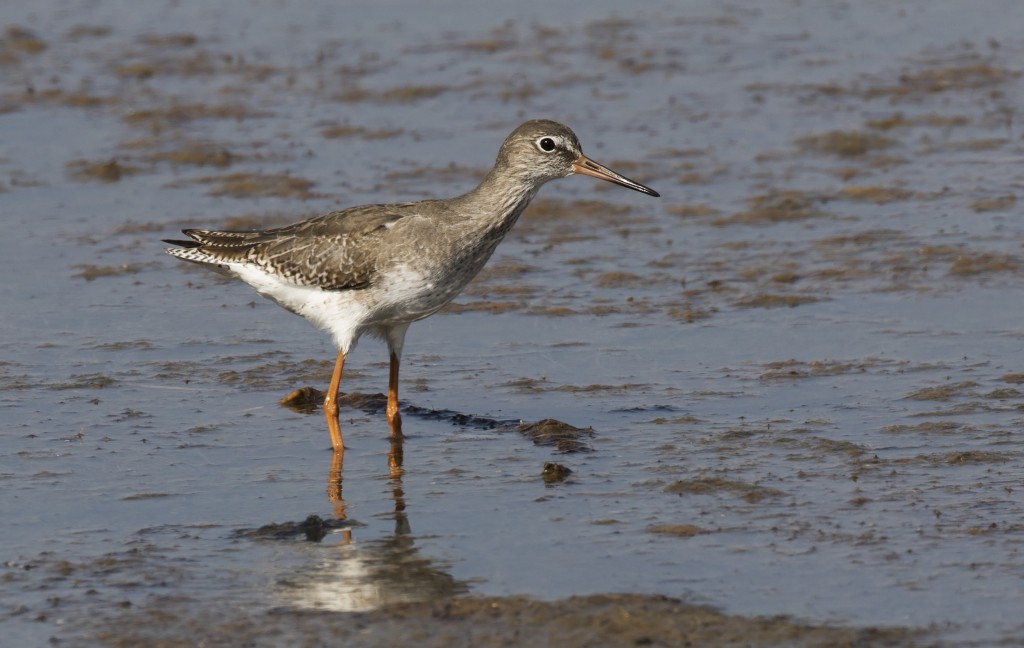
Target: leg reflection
[(396, 455), (334, 485)]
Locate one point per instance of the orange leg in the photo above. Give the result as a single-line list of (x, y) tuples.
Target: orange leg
[(394, 418), (331, 404)]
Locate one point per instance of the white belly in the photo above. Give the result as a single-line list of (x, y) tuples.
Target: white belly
[(404, 297)]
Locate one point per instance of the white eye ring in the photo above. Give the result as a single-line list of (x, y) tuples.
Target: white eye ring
[(547, 144)]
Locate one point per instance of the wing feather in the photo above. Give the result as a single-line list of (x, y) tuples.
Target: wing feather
[(336, 251)]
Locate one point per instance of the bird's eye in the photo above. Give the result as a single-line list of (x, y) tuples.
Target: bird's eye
[(546, 144)]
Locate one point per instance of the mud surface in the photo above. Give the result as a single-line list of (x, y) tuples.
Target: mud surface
[(604, 619), (790, 390)]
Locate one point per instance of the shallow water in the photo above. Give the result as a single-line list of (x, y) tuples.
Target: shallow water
[(809, 350)]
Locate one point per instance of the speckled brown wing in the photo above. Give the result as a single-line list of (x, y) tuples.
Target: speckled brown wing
[(335, 251)]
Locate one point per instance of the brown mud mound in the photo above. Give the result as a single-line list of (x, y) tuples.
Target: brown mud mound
[(597, 620), (552, 432)]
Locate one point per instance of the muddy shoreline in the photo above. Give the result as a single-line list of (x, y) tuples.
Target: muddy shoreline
[(604, 619)]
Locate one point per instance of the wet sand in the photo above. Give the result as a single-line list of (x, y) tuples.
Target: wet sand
[(779, 406)]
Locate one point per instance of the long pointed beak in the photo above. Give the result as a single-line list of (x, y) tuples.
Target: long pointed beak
[(586, 166)]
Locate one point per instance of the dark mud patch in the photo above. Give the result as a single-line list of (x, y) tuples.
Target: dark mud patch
[(91, 272), (528, 385), (398, 94), (106, 171), (927, 427), (900, 120), (55, 97), (254, 371), (598, 620), (819, 447), (20, 39), (261, 221), (485, 306), (501, 292), (158, 119), (799, 369), (313, 529), (715, 485), (199, 154), (601, 388), (255, 185), (563, 437), (693, 211), (440, 175), (85, 381), (552, 432), (774, 207), (1001, 203), (309, 399), (968, 74), (876, 194), (677, 530), (845, 144), (774, 300), (145, 496), (944, 392), (271, 374), (938, 73), (975, 457), (983, 263), (362, 132), (619, 279), (126, 345), (555, 473), (133, 227), (561, 219), (689, 313), (679, 420)]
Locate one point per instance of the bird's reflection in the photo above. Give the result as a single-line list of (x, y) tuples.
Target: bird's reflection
[(396, 455), (353, 575)]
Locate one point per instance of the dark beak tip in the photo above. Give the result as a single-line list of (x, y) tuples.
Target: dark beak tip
[(586, 166), (644, 189)]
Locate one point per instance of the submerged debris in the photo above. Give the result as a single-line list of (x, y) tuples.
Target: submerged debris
[(254, 185), (89, 272), (711, 485), (679, 530), (19, 39), (774, 207), (554, 472), (844, 143), (304, 400), (551, 432), (107, 171), (313, 528)]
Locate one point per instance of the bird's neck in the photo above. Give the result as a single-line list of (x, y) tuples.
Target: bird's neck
[(498, 200)]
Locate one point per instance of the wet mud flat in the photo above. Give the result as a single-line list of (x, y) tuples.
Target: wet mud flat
[(780, 406), (604, 619)]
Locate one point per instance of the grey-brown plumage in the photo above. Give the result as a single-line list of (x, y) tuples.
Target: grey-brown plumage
[(331, 252), (378, 268)]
